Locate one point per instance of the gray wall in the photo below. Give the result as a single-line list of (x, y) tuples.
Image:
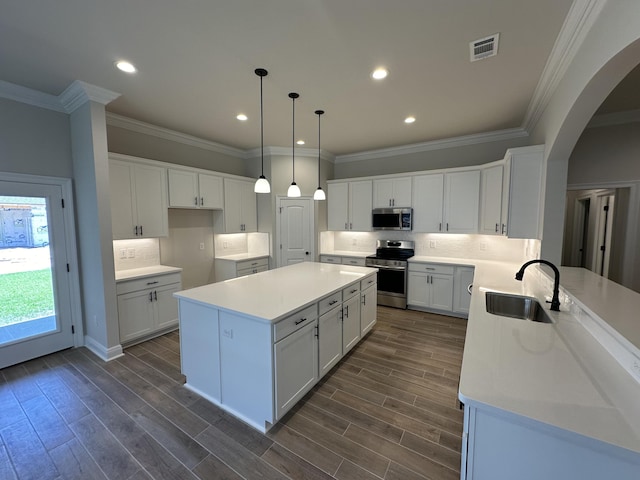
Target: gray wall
[(34, 140), (464, 156), (147, 146)]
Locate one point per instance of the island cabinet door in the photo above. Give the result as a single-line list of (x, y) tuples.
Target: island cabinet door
[(329, 339), (350, 323), (296, 366)]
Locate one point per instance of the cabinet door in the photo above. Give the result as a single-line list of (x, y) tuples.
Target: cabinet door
[(338, 206), (211, 191), (151, 200), (402, 192), (249, 208), (428, 191), (525, 193), (296, 367), (122, 193), (441, 291), (350, 323), (135, 315), (329, 339), (232, 206), (165, 306), (383, 193), (360, 206), (368, 309), (491, 201), (417, 289), (183, 189), (461, 201), (461, 281)]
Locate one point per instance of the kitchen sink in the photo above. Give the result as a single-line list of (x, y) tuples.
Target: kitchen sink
[(516, 306)]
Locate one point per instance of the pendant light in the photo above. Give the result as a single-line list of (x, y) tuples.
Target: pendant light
[(319, 193), (294, 190), (262, 184)]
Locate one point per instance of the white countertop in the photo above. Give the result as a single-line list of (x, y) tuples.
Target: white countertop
[(239, 257), (272, 295), (557, 374), (451, 261), (133, 273), (347, 253)]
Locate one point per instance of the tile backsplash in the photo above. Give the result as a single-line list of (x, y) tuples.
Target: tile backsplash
[(138, 253)]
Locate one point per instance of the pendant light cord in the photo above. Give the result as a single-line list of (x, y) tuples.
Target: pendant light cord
[(261, 130), (319, 112), (293, 139)]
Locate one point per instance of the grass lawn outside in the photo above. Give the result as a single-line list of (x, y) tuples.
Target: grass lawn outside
[(25, 296)]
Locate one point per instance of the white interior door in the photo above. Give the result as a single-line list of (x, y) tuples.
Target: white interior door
[(35, 291), (295, 230)]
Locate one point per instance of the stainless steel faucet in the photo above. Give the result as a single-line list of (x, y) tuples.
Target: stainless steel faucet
[(555, 300)]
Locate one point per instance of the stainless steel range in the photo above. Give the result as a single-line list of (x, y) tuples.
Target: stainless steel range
[(391, 261)]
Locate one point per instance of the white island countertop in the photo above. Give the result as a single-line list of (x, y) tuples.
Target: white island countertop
[(558, 374), (270, 296), (134, 273), (240, 257)]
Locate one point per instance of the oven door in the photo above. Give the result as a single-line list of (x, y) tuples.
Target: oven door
[(392, 280)]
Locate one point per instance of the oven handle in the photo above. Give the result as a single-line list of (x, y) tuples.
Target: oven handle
[(384, 267)]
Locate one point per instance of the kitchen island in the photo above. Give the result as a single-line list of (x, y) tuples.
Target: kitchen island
[(255, 345)]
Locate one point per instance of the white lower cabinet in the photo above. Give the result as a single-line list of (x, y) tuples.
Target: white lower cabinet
[(430, 286), (296, 366), (146, 307), (226, 269), (368, 308), (462, 281), (330, 333), (350, 323)]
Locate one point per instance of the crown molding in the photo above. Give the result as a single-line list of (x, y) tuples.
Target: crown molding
[(495, 136), (579, 20), (616, 118), (79, 93), (35, 98), (119, 121), (286, 152)]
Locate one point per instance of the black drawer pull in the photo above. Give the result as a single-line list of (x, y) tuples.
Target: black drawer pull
[(333, 302), (152, 283), (354, 290), (298, 322)]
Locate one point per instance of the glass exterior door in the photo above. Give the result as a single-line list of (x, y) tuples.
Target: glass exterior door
[(35, 314)]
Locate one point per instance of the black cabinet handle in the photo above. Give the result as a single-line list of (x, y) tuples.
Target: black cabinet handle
[(333, 302), (140, 230), (155, 295), (196, 200), (151, 296), (152, 283), (298, 322)]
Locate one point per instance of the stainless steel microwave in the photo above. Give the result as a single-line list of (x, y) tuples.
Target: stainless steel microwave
[(391, 218)]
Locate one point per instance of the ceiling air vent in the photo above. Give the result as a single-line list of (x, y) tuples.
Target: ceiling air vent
[(484, 48)]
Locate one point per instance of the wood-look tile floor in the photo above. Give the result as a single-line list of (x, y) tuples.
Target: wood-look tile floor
[(388, 410)]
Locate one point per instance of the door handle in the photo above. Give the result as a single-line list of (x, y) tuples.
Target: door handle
[(306, 253), (469, 287)]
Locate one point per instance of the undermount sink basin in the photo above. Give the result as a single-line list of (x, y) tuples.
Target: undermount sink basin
[(516, 306)]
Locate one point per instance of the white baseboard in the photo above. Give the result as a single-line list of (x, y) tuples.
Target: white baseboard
[(106, 354)]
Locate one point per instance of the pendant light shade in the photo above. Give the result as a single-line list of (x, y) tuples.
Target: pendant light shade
[(294, 190), (262, 184), (319, 193)]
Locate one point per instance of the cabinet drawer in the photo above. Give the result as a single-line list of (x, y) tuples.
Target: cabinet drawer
[(368, 281), (359, 261), (147, 282), (252, 264), (350, 291), (327, 303), (251, 270), (431, 268), (294, 322), (330, 259)]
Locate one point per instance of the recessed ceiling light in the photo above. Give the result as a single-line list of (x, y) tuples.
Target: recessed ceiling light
[(409, 119), (380, 73), (125, 66), (242, 117), (300, 142)]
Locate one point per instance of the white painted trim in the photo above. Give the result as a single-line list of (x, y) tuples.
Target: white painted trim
[(79, 93), (286, 151), (579, 20), (474, 139), (130, 124), (21, 94), (617, 118), (106, 354)]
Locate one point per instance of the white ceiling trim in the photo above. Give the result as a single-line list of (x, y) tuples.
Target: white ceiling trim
[(126, 123), (617, 118), (286, 152), (35, 98), (495, 136), (79, 93), (577, 24)]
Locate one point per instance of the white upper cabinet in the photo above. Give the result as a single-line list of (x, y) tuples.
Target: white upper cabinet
[(188, 189), (392, 192), (240, 210), (461, 200), (349, 206), (446, 203), (491, 200), (523, 192), (138, 200)]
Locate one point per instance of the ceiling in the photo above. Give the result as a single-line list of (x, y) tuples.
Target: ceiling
[(196, 62)]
